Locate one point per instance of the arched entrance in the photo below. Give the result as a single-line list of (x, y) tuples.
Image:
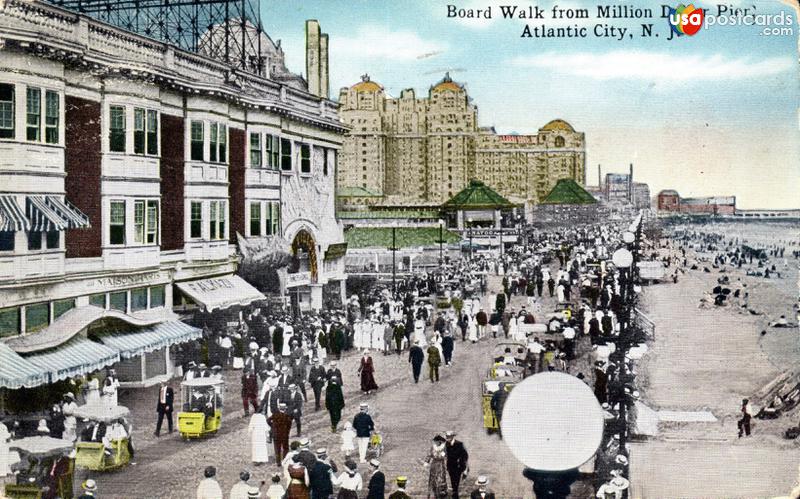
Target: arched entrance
[(305, 248)]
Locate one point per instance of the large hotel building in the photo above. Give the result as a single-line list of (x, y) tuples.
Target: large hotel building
[(127, 169), (414, 150)]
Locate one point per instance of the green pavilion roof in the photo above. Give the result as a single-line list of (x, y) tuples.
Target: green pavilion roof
[(478, 196), (567, 191), (381, 237), (356, 192)]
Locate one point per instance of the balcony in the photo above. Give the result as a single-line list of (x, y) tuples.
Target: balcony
[(131, 257), (130, 166), (261, 177), (36, 167), (208, 250), (31, 266), (198, 171)]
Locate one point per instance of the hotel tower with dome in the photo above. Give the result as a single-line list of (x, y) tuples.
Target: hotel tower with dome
[(413, 151)]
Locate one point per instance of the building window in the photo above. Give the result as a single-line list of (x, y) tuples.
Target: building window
[(117, 129), (273, 145), (152, 222), (223, 143), (98, 300), (7, 241), (286, 155), (37, 317), (218, 143), (9, 322), (118, 301), (61, 307), (6, 112), (273, 217), (196, 220), (138, 130), (255, 150), (197, 141), (34, 114), (138, 299), (138, 221), (559, 141), (51, 117), (212, 147), (324, 161), (116, 222), (152, 132), (217, 220), (34, 241), (255, 219), (157, 298), (53, 239), (305, 158)]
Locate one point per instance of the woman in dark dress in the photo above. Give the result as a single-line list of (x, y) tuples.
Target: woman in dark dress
[(367, 371)]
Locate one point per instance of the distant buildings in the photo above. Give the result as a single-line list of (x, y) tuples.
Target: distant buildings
[(620, 189), (670, 201), (412, 151)]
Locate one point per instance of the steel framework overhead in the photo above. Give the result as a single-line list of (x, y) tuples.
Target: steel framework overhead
[(226, 30)]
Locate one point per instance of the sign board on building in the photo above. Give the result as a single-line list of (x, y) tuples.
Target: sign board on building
[(298, 279), (518, 139), (490, 232), (336, 250)]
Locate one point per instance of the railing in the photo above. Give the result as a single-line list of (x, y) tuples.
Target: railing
[(645, 324)]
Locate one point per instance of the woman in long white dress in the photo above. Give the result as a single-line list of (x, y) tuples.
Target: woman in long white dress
[(93, 393), (419, 333), (472, 330), (560, 293), (513, 327), (259, 435)]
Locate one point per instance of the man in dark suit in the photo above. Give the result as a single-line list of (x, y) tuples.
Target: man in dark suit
[(377, 481), (295, 406), (457, 460), (164, 406), (285, 378), (482, 492), (400, 493), (319, 476), (316, 378), (416, 356), (334, 372), (281, 424)]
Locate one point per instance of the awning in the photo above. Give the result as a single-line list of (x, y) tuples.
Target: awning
[(152, 338), (12, 218), (70, 324), (42, 217), (76, 357), (73, 216), (220, 292), (16, 372)]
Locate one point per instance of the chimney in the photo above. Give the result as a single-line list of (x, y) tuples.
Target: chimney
[(599, 177), (313, 56), (324, 86), (630, 184)]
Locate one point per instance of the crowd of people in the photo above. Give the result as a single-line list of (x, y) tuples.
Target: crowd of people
[(424, 318)]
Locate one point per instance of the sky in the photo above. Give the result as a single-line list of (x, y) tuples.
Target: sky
[(716, 113)]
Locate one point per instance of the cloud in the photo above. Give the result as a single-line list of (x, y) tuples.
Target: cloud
[(656, 66), (382, 43)]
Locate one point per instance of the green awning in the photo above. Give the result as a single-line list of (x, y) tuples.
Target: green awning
[(567, 191), (405, 237), (478, 196)]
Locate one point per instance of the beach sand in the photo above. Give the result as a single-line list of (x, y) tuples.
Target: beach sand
[(710, 359)]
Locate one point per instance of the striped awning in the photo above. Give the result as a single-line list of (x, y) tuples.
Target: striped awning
[(16, 372), (74, 218), (12, 218), (43, 218), (74, 358), (149, 339)]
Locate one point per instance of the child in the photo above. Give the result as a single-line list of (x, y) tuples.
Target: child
[(276, 490), (348, 439)]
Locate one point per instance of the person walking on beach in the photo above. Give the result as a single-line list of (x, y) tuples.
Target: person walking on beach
[(744, 422)]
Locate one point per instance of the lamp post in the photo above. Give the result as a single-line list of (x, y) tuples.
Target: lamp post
[(469, 221), (441, 241), (394, 262)]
